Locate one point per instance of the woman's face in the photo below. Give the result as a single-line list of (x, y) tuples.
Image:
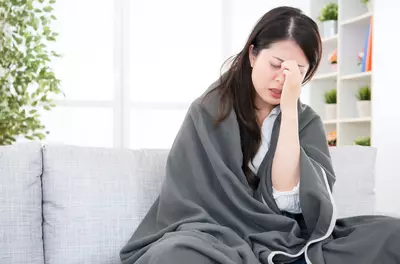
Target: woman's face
[(267, 73)]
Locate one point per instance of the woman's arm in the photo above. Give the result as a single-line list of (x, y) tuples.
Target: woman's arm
[(285, 166)]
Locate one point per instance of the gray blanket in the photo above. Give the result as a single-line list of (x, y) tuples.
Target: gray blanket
[(207, 212)]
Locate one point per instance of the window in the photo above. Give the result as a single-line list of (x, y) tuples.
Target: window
[(131, 69), (175, 53), (87, 43)]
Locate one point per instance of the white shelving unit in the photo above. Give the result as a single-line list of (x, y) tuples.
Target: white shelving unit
[(353, 22)]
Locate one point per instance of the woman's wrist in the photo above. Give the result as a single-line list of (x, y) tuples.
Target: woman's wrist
[(290, 113)]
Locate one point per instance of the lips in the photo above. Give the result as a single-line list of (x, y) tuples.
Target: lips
[(276, 93)]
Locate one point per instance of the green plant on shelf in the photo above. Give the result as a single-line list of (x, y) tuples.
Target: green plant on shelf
[(364, 1), (363, 141), (329, 12), (330, 96), (364, 93)]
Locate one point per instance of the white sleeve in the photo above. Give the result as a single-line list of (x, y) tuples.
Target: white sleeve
[(288, 201)]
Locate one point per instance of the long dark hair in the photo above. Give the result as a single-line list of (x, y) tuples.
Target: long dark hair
[(235, 86)]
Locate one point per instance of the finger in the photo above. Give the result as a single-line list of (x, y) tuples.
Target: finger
[(286, 72), (290, 65)]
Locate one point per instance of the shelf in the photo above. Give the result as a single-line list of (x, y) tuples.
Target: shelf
[(326, 76), (330, 39), (348, 120), (355, 120), (357, 76), (359, 20), (330, 122), (354, 21)]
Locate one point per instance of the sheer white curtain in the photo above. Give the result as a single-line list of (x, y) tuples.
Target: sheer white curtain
[(131, 68)]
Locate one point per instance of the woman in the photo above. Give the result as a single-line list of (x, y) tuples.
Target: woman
[(249, 176)]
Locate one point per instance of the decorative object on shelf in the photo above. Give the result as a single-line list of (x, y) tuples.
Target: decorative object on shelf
[(329, 17), (360, 59), (369, 4), (364, 101), (28, 83), (332, 139), (363, 141), (333, 60), (330, 104)]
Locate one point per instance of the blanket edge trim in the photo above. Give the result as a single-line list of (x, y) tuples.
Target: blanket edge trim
[(328, 233)]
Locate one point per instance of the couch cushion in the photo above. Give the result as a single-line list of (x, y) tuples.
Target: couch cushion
[(21, 204), (355, 179), (93, 200)]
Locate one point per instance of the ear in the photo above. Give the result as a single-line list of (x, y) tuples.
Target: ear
[(252, 57)]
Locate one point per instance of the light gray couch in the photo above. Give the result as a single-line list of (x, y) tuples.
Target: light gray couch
[(64, 204)]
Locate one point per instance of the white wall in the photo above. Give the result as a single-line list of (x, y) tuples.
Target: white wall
[(386, 111)]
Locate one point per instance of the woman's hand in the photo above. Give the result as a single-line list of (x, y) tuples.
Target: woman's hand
[(291, 87)]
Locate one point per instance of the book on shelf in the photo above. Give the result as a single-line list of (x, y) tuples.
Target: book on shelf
[(367, 59)]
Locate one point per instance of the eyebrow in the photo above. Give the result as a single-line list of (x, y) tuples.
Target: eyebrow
[(284, 60)]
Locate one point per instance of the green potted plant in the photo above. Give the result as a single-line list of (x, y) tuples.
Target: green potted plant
[(28, 83), (363, 141), (330, 104), (369, 4), (328, 18), (363, 96)]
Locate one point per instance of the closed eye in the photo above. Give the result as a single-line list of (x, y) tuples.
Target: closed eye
[(275, 65)]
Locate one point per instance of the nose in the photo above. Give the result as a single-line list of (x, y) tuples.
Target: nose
[(280, 77)]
